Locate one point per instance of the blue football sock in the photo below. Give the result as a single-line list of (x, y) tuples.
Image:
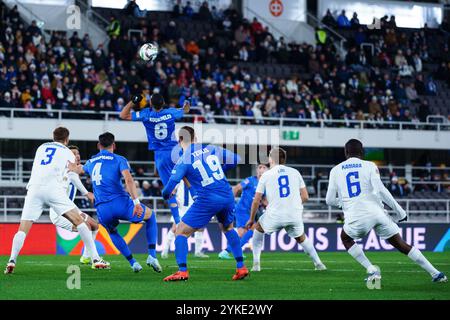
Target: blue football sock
[(181, 251), (174, 210), (122, 246), (235, 245), (246, 237), (243, 240), (151, 231)]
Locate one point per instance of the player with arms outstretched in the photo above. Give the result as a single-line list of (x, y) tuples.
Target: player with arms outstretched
[(286, 192), (203, 166), (113, 203), (47, 187), (159, 123), (247, 189), (75, 185), (361, 193)]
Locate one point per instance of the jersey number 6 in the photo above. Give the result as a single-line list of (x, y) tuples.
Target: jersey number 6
[(353, 184)]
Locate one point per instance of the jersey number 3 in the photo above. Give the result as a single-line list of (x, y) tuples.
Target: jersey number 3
[(283, 184), (49, 152), (353, 185)]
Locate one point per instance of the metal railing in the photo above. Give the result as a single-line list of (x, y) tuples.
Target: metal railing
[(60, 115), (311, 213), (19, 170)]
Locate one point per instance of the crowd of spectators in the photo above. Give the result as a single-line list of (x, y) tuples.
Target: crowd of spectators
[(68, 73)]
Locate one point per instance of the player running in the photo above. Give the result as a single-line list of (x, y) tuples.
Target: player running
[(74, 186), (159, 123), (247, 189), (286, 192), (47, 187), (361, 194), (184, 200), (203, 167), (113, 203)]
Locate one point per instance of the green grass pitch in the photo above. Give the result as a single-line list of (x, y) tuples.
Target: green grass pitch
[(284, 276)]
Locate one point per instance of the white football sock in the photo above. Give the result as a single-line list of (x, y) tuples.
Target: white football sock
[(356, 252), (166, 245), (86, 236), (198, 235), (19, 239), (86, 253), (309, 249), (258, 242), (417, 256)]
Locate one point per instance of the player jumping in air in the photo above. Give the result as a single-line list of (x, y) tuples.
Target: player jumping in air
[(184, 200), (74, 186), (203, 166), (286, 192), (113, 203), (159, 123), (47, 187), (247, 188), (361, 194)]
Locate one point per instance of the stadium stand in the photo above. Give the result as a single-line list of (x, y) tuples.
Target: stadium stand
[(228, 66)]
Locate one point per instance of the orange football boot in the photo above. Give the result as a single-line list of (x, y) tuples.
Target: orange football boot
[(178, 276), (241, 273)]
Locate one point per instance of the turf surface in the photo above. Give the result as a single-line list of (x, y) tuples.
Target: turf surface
[(284, 276)]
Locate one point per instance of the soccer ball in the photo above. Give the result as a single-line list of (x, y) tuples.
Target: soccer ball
[(148, 51)]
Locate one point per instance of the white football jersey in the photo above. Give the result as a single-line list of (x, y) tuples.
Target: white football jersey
[(354, 181), (50, 165), (281, 185)]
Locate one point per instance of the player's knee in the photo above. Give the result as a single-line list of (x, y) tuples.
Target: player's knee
[(301, 238), (346, 240)]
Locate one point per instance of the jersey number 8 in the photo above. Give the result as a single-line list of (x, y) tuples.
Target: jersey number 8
[(283, 183)]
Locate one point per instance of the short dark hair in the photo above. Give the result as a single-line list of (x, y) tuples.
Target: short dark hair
[(157, 101), (354, 148), (106, 139), (278, 155), (186, 133), (60, 134), (73, 147)]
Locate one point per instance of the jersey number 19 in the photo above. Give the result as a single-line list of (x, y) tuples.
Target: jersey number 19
[(214, 165)]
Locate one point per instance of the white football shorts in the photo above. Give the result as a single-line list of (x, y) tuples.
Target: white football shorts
[(40, 197), (294, 228), (383, 225)]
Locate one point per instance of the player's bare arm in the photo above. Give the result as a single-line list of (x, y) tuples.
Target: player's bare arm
[(304, 195), (125, 114), (73, 167), (186, 106), (255, 206), (131, 189)]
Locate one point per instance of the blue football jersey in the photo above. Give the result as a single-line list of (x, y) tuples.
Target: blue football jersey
[(204, 166), (248, 193), (160, 126), (105, 169)]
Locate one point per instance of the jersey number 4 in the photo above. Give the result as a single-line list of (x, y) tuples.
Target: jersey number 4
[(353, 185), (96, 175), (214, 165)]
